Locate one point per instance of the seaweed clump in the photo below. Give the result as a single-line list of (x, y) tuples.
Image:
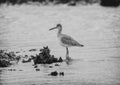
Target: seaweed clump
[(4, 63), (44, 57), (5, 58)]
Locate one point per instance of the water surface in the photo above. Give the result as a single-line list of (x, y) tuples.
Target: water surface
[(98, 63)]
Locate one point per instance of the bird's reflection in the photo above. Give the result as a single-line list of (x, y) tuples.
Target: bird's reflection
[(69, 61)]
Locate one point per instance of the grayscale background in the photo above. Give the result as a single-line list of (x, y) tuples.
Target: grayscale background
[(26, 26)]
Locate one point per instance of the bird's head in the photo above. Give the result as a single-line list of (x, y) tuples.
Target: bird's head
[(58, 26)]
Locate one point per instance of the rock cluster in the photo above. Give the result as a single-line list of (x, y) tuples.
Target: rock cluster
[(44, 57), (4, 63), (6, 58)]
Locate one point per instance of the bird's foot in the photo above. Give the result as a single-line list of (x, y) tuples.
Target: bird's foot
[(68, 58), (68, 61)]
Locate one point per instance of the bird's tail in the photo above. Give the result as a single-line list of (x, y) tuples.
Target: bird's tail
[(81, 45)]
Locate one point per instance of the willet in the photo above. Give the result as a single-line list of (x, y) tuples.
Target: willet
[(65, 40)]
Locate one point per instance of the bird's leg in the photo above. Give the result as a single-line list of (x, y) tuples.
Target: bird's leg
[(67, 54)]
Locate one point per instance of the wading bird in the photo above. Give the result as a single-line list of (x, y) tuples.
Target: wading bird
[(65, 40)]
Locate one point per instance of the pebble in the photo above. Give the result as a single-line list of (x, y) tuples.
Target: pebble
[(54, 73), (57, 64), (50, 66), (37, 69)]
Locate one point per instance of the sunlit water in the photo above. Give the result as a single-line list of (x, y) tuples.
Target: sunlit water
[(98, 63)]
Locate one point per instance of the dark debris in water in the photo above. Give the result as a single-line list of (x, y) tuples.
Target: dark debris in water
[(50, 66), (37, 69), (55, 73), (7, 57), (57, 64), (61, 73), (11, 69), (4, 63), (35, 66), (26, 61), (44, 57), (32, 50)]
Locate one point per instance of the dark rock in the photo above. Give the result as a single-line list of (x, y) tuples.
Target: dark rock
[(26, 56), (54, 73), (6, 58), (110, 3), (33, 50), (44, 57), (60, 60), (37, 69), (17, 52), (11, 69), (35, 66), (61, 73), (72, 3), (18, 58), (26, 61), (50, 66), (4, 63), (57, 64)]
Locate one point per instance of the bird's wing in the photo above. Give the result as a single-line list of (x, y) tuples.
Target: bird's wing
[(69, 41)]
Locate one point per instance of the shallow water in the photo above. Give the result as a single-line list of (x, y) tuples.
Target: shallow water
[(78, 72), (98, 63)]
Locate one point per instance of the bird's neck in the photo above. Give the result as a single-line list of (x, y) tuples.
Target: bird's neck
[(59, 31)]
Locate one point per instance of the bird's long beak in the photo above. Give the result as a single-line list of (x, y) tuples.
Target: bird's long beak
[(53, 28)]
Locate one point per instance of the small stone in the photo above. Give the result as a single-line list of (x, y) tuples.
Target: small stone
[(11, 69), (37, 69), (35, 66), (50, 66), (57, 64), (60, 60), (33, 50), (61, 73), (54, 73)]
